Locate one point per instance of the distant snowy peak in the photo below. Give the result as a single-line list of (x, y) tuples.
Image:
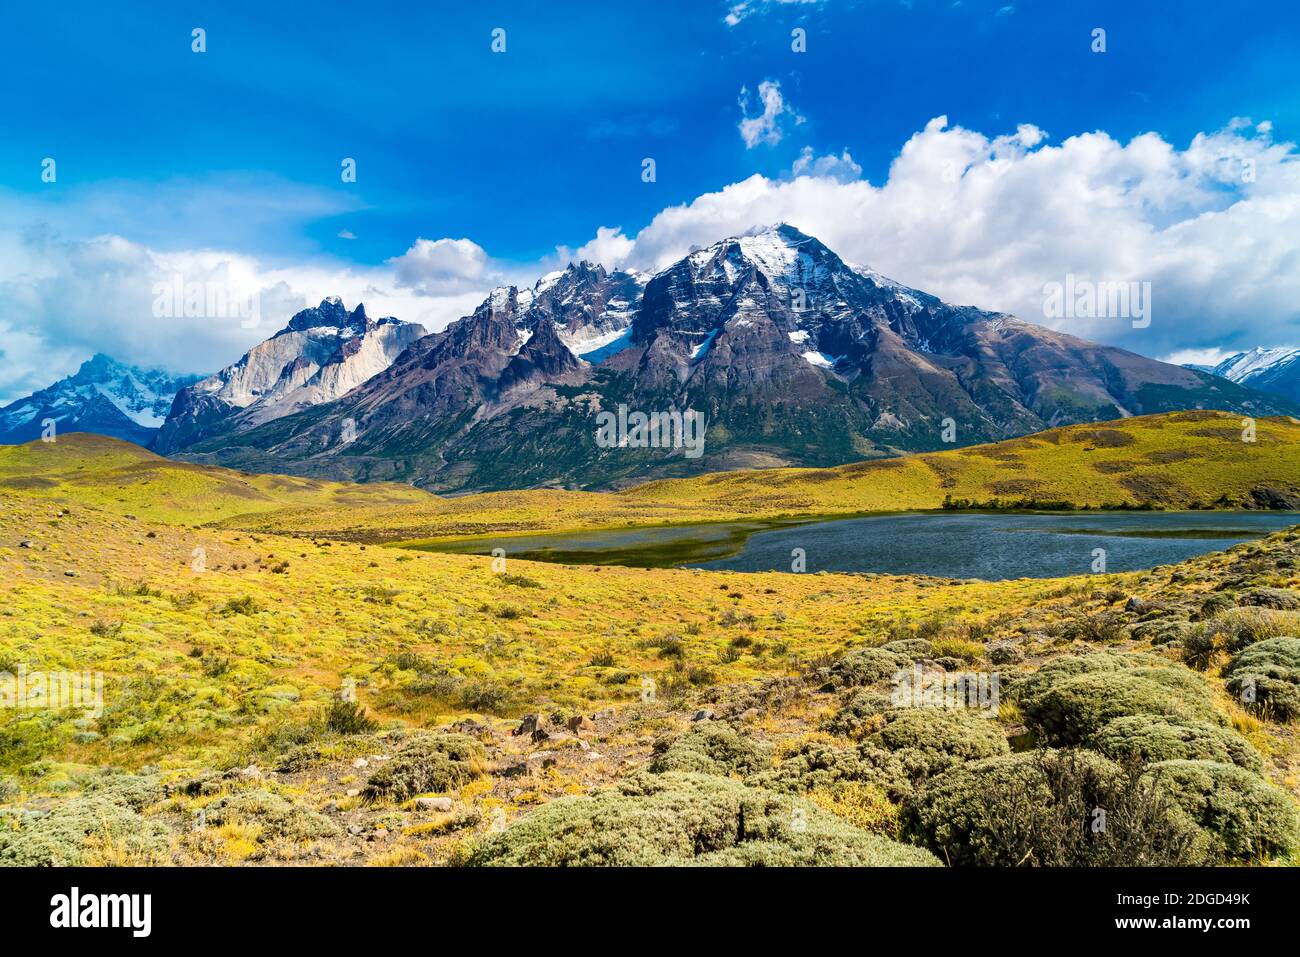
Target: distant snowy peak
[(104, 396), (1247, 365), (1276, 371)]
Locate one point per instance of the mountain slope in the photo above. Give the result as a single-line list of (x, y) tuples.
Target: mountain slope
[(103, 396), (96, 472), (322, 354), (792, 356), (1176, 460), (1276, 371)]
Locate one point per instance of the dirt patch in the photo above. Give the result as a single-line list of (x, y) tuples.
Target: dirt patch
[(1220, 433), (27, 482), (1165, 456), (1114, 467), (1155, 488), (1103, 438)]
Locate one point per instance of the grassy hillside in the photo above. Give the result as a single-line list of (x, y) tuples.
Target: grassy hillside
[(88, 469), (1179, 460), (221, 739)]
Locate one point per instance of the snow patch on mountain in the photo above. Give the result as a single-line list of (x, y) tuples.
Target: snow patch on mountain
[(104, 396)]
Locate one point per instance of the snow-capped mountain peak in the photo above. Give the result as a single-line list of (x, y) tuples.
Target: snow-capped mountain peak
[(104, 396), (1244, 365)]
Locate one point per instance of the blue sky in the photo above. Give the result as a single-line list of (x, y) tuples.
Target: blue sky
[(542, 144), (239, 148)]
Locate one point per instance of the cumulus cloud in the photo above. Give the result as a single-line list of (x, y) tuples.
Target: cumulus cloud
[(435, 267), (767, 124), (62, 300), (840, 168), (991, 220)]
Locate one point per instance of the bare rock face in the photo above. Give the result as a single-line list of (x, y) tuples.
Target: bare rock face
[(321, 355), (791, 355)]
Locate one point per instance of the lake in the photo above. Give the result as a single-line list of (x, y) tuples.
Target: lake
[(988, 545)]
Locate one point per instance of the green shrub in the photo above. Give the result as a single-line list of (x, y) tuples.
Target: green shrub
[(711, 748), (346, 717), (1237, 628), (134, 791), (244, 605), (857, 713), (1240, 816), (910, 649), (680, 818), (1215, 603), (84, 831), (1065, 705), (9, 790), (1151, 738), (1279, 598), (939, 737), (277, 818), (817, 766), (1267, 677), (433, 764), (1045, 808), (1058, 669), (865, 666)]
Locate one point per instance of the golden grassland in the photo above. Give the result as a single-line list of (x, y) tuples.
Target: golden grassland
[(1179, 460), (81, 468), (217, 642), (1175, 460)]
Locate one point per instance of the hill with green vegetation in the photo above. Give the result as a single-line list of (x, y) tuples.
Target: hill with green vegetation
[(290, 700), (1181, 460), (86, 469)]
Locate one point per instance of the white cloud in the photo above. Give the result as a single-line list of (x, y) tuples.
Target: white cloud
[(62, 300), (982, 220), (434, 267), (743, 9), (610, 247), (840, 168), (765, 126), (1197, 357), (988, 221)]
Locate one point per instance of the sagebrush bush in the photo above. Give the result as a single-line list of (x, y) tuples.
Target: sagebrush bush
[(432, 764), (866, 666), (134, 791), (815, 765), (1279, 598), (711, 748), (275, 817), (1151, 738), (1041, 809), (1238, 628), (1239, 815), (684, 818), (1266, 676), (939, 737), (1067, 703), (858, 713), (84, 831)]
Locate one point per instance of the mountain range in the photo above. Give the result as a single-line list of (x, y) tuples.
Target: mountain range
[(322, 354), (791, 355), (103, 396), (1276, 371)]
